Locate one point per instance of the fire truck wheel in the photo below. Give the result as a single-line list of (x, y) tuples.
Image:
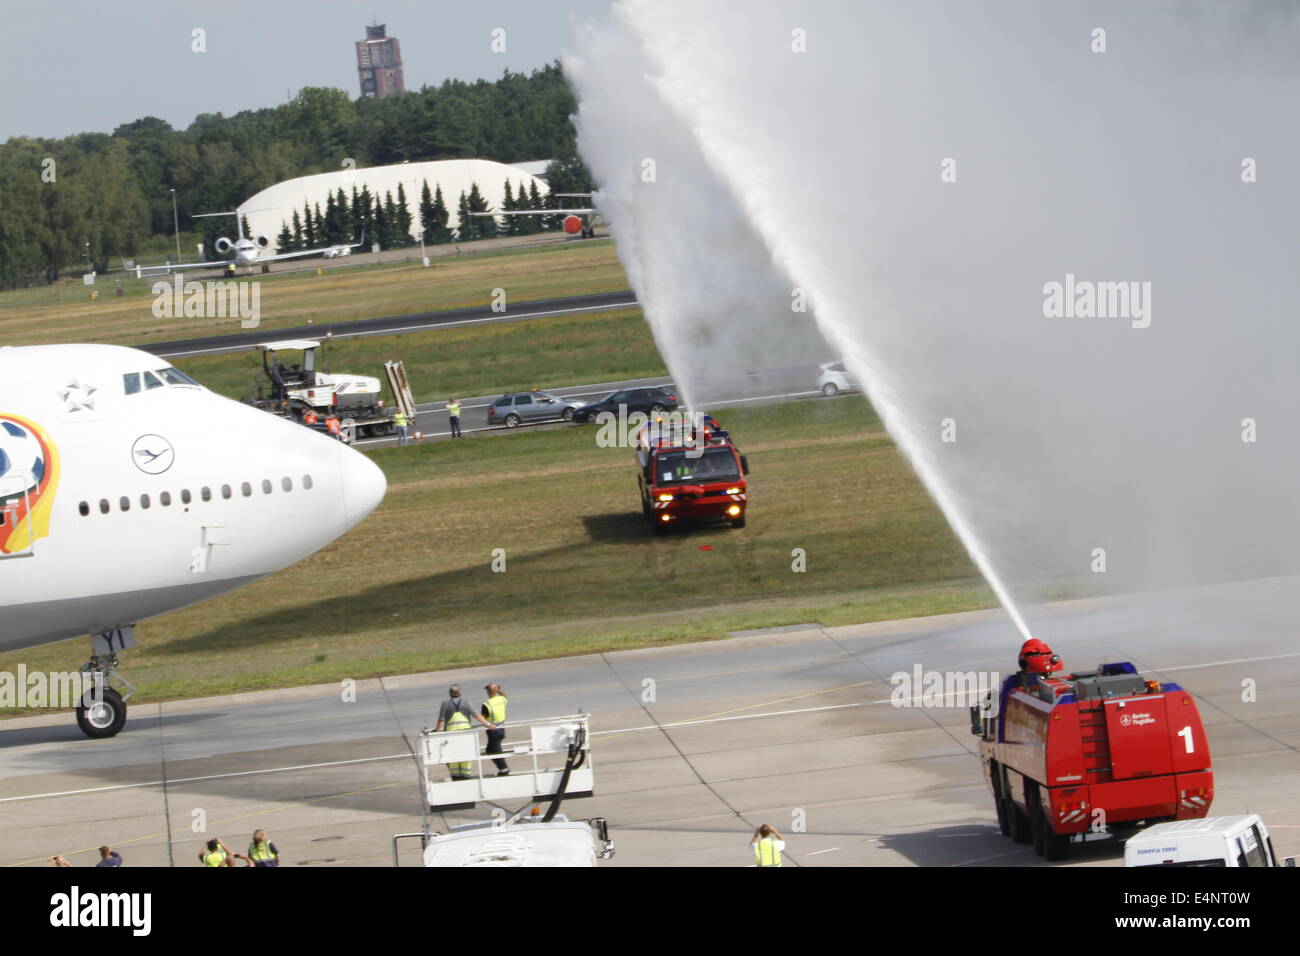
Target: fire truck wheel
[(1019, 822), (661, 528), (1048, 844), (1004, 816), (1038, 826)]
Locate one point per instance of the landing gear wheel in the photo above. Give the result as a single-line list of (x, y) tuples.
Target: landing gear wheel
[(512, 420), (103, 717), (830, 389)]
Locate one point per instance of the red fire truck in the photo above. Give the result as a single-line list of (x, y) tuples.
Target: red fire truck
[(688, 473), (1106, 747)]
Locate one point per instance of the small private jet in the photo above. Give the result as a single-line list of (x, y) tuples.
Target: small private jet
[(245, 250), (127, 490)]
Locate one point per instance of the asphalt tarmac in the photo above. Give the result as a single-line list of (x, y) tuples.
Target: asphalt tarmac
[(693, 745)]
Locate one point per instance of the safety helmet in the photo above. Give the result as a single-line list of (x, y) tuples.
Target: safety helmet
[(1037, 658)]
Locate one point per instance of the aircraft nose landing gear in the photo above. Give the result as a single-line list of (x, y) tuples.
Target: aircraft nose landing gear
[(102, 710)]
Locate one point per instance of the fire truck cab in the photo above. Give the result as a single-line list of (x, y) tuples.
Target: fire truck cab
[(690, 473), (1098, 750)]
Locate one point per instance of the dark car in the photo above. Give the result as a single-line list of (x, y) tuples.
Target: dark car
[(646, 399), (521, 408)]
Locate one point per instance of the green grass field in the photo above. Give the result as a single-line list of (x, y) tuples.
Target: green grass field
[(474, 360), (64, 313), (412, 588)]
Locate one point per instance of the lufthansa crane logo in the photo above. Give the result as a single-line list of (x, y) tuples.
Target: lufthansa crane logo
[(152, 454)]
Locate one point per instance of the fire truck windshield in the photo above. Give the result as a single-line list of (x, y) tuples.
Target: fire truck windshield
[(679, 468)]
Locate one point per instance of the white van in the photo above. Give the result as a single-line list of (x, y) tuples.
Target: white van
[(1214, 841)]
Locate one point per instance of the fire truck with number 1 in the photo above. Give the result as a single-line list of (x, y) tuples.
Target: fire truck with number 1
[(1072, 753)]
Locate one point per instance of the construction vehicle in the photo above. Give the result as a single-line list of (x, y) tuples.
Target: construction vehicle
[(1240, 840), (552, 763), (689, 470), (1103, 750), (348, 406)]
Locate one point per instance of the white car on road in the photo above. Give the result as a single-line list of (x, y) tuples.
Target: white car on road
[(834, 379)]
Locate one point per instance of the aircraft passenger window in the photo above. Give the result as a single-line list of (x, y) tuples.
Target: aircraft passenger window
[(225, 491), (103, 506), (306, 482), (247, 489), (206, 493), (174, 376), (131, 382), (144, 501), (185, 496), (266, 486), (165, 498), (286, 483), (84, 508), (151, 380), (124, 503)]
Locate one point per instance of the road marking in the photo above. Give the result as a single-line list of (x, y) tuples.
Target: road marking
[(819, 852), (214, 776)]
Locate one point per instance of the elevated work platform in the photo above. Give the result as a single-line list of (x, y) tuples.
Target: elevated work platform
[(553, 756)]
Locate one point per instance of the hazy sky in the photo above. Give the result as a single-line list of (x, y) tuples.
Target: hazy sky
[(80, 66)]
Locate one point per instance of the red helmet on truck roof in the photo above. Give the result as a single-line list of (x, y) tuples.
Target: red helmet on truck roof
[(1037, 658)]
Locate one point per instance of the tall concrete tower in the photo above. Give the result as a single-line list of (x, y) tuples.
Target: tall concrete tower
[(379, 62)]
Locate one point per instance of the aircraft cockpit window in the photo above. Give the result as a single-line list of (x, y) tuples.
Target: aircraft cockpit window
[(131, 382), (151, 380), (174, 376)]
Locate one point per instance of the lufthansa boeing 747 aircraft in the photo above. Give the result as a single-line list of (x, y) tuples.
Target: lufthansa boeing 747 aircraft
[(128, 490)]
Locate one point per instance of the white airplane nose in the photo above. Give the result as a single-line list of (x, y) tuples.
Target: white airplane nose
[(364, 485)]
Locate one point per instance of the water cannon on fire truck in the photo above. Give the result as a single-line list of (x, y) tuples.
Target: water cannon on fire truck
[(1109, 749)]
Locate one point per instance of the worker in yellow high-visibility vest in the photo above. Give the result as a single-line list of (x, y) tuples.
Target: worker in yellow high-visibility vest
[(262, 852), (402, 423), (768, 844), (215, 854), (453, 416), (494, 710), (455, 714)]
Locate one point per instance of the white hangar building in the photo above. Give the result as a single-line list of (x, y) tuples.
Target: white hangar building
[(268, 210)]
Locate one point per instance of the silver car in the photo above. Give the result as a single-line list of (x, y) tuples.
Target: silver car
[(523, 408)]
